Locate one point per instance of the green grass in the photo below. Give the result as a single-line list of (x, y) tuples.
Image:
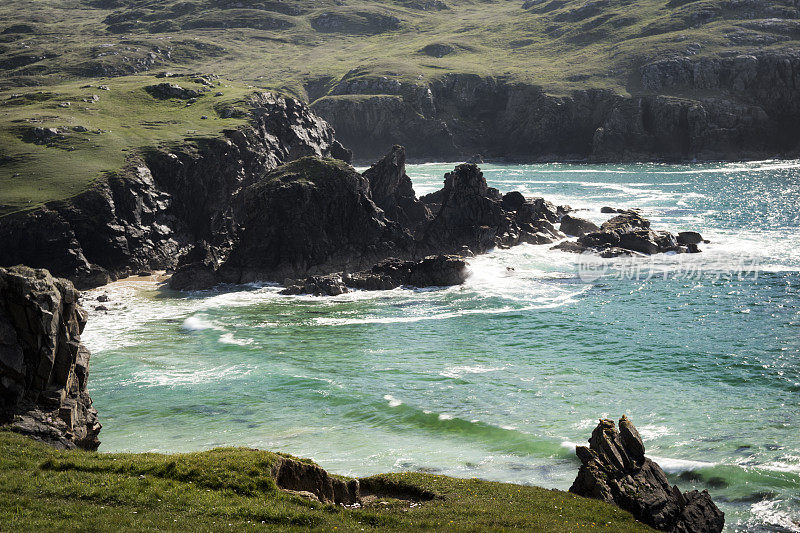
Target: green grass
[(230, 489), (124, 120), (561, 45)]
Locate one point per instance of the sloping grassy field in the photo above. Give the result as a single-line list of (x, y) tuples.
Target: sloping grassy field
[(90, 131), (230, 489)]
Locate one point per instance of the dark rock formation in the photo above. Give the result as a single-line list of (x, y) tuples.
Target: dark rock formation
[(471, 214), (615, 470), (393, 192), (431, 271), (630, 232), (311, 216), (577, 227), (44, 368), (143, 217), (171, 90)]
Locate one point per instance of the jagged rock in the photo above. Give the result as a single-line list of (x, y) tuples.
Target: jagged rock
[(467, 216), (608, 210), (310, 216), (44, 368), (171, 90), (196, 269), (577, 227), (614, 469), (392, 190)]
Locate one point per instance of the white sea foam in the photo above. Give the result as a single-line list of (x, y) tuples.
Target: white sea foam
[(393, 402), (228, 338), (459, 371), (195, 323)]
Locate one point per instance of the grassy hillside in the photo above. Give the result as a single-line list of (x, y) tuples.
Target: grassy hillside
[(55, 141), (560, 44), (230, 489)]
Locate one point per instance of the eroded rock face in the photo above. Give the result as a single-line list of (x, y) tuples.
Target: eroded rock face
[(615, 470), (392, 190), (44, 368)]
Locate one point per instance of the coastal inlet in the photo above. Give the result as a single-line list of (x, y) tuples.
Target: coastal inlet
[(501, 377)]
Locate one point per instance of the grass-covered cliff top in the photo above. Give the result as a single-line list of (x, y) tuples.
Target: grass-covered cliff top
[(231, 489), (56, 140), (559, 44)]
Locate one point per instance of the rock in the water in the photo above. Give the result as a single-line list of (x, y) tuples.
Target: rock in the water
[(432, 271), (44, 368), (687, 238), (615, 470), (330, 285), (577, 227)]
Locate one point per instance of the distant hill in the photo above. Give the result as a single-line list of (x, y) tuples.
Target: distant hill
[(304, 46)]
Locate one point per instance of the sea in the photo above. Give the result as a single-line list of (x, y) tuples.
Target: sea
[(502, 377)]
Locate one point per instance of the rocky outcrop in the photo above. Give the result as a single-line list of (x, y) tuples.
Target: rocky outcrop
[(44, 368), (470, 214), (615, 470), (165, 201), (393, 192), (748, 109), (629, 232), (311, 216)]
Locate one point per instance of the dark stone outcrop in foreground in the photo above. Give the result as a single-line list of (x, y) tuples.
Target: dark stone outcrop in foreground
[(625, 234), (44, 367), (432, 271), (615, 470)]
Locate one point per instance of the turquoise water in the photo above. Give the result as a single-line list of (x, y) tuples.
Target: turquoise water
[(499, 378)]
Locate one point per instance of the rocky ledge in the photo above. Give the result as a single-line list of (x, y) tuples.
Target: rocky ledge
[(615, 470), (44, 368)]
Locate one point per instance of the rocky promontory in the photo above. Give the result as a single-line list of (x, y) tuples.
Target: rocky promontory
[(44, 368), (615, 470)]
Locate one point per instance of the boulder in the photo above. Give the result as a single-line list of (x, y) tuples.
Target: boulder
[(330, 285), (577, 226), (171, 90), (687, 238), (614, 469), (44, 368)]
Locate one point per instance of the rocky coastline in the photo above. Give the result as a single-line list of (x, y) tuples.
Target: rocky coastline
[(731, 107)]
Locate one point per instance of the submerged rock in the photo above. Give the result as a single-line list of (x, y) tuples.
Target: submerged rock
[(615, 470), (44, 368)]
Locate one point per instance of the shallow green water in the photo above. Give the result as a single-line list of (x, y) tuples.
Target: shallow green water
[(499, 378)]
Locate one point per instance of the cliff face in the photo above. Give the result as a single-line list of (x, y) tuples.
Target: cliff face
[(739, 107), (44, 368), (163, 201)]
